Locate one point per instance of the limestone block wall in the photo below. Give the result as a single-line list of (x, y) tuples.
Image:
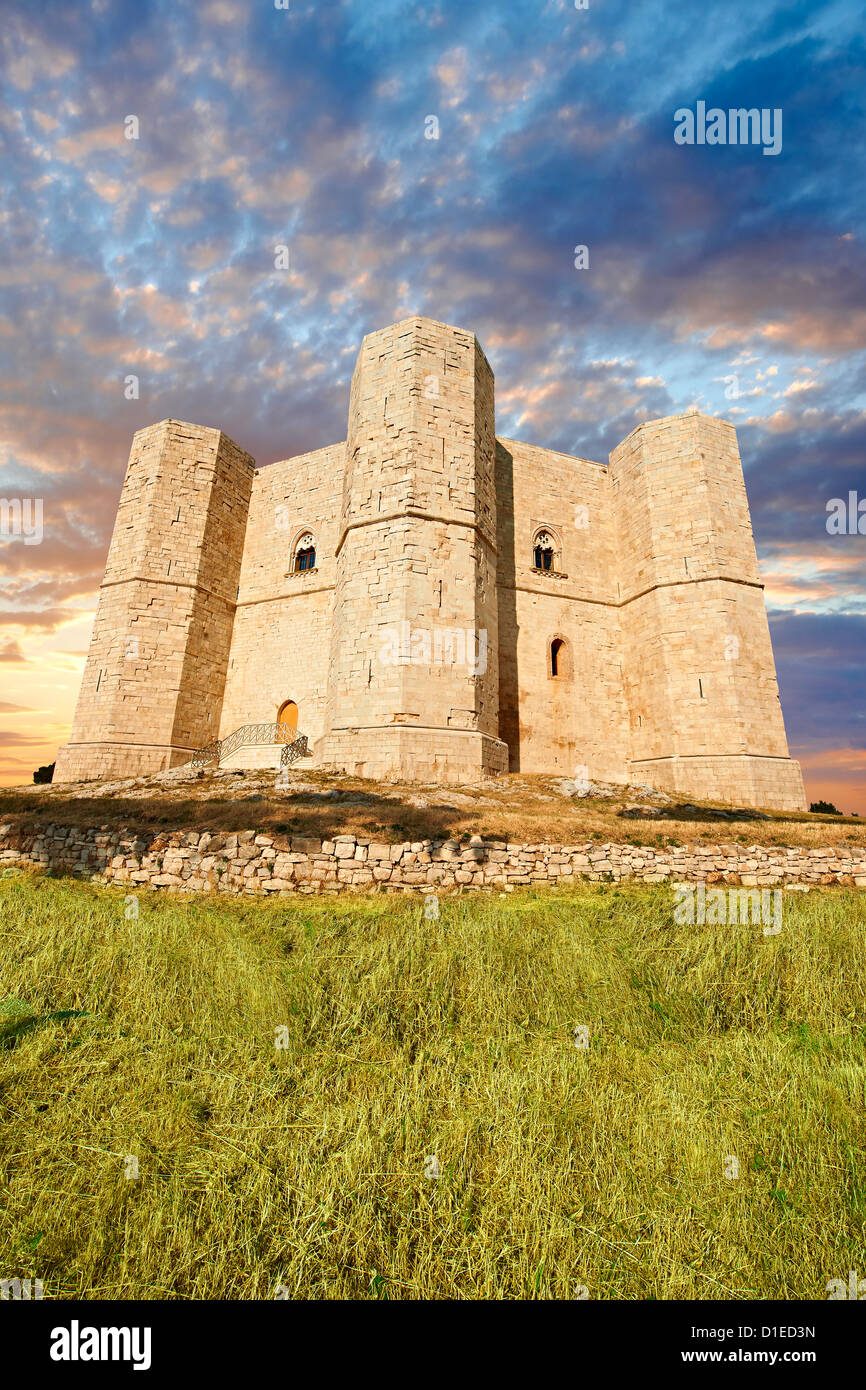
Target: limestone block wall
[(578, 718), (699, 676), (153, 683), (413, 675), (282, 627)]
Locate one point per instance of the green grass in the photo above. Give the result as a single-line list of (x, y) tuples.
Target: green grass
[(407, 1036)]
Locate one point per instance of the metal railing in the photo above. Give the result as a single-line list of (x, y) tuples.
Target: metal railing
[(299, 748), (295, 745)]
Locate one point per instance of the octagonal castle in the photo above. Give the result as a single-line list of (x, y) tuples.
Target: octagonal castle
[(429, 602)]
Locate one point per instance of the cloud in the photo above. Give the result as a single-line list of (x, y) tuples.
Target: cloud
[(225, 11), (40, 618), (31, 56), (11, 652), (8, 739)]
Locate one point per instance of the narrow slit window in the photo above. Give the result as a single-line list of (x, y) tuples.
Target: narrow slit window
[(560, 658)]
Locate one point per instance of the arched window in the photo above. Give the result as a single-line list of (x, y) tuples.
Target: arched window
[(544, 551), (559, 658), (305, 553)]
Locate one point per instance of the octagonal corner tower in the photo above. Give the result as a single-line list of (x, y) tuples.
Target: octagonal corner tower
[(699, 675), (152, 687), (413, 671)]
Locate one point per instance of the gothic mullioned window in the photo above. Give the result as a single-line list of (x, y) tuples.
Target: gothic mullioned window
[(544, 551), (305, 553)]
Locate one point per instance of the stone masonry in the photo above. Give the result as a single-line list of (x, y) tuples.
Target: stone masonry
[(424, 640), (261, 865)]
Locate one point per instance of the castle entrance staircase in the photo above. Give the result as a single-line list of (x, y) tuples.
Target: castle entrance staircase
[(256, 746)]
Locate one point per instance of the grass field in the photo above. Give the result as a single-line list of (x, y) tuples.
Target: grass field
[(304, 1167)]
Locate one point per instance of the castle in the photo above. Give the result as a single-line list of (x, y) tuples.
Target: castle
[(427, 601)]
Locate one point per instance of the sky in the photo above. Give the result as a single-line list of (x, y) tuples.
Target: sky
[(718, 275)]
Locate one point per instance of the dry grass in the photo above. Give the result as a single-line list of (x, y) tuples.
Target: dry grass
[(516, 807), (408, 1037)]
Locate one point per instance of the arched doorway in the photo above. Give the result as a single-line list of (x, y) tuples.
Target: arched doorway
[(287, 715)]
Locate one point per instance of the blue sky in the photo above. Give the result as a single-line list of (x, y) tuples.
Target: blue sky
[(712, 269)]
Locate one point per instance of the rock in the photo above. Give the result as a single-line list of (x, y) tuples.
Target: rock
[(302, 844)]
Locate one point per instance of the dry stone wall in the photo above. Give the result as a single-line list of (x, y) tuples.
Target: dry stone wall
[(263, 865)]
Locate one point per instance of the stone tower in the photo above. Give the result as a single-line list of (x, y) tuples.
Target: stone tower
[(413, 674), (153, 683), (698, 666)]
